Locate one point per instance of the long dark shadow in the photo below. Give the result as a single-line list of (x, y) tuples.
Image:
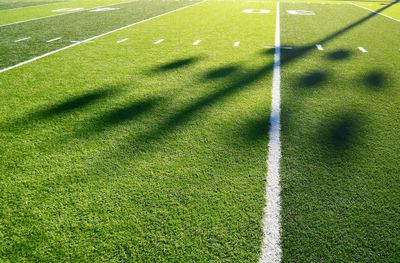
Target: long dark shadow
[(187, 113)]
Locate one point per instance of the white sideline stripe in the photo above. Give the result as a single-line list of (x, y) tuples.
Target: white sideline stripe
[(22, 39), (122, 40), (95, 37), (366, 8), (363, 50), (158, 41), (271, 249), (319, 47), (195, 43), (43, 17), (53, 39), (236, 44)]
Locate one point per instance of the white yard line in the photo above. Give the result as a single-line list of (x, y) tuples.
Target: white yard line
[(22, 39), (271, 249), (236, 44), (122, 40), (198, 41), (95, 37), (363, 50), (366, 8), (159, 41), (53, 39), (319, 47), (43, 17)]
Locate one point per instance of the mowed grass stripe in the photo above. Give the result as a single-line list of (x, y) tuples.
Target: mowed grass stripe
[(141, 152), (60, 12), (79, 26), (7, 6), (340, 117), (9, 17)]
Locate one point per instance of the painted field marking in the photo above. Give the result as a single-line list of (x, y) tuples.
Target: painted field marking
[(397, 20), (301, 12), (195, 43), (122, 40), (53, 39), (22, 39), (68, 9), (96, 37), (236, 44), (103, 9), (63, 13), (82, 41), (271, 249), (363, 50), (158, 41), (256, 11), (319, 46)]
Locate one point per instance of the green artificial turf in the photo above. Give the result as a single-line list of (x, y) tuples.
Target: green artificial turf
[(41, 11), (136, 152), (393, 11), (12, 5), (72, 27), (340, 122), (141, 152)]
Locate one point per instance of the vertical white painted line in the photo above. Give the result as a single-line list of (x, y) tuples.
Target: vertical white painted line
[(319, 47), (122, 40), (195, 43), (53, 39), (158, 41), (236, 44), (271, 249), (363, 50), (22, 39)]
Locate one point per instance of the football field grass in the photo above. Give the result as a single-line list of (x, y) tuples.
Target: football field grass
[(138, 131)]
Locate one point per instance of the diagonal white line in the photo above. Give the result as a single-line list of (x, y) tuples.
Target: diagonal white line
[(366, 8), (96, 37), (195, 43), (158, 41), (53, 39), (22, 39), (363, 50), (271, 249), (122, 40)]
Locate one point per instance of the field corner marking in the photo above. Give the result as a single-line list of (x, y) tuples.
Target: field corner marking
[(271, 250)]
